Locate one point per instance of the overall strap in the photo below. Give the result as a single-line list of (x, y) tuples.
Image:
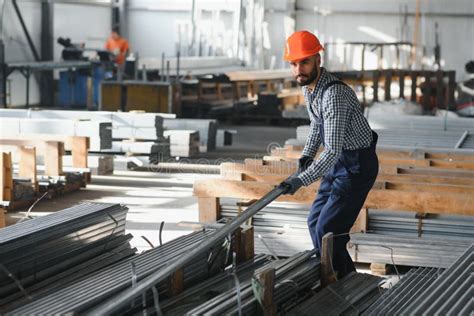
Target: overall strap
[(330, 84), (327, 86)]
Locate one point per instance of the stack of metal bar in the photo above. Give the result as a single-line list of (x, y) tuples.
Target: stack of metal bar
[(207, 130), (294, 277), (210, 288), (413, 131), (349, 296), (410, 251), (280, 228), (393, 237), (396, 300), (183, 143), (83, 294), (451, 293), (432, 292), (41, 254)]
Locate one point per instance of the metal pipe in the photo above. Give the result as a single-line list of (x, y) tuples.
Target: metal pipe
[(25, 30), (126, 296), (162, 70)]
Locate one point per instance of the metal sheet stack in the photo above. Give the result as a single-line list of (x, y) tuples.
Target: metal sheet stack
[(451, 293), (42, 254), (294, 277), (431, 291), (399, 297), (80, 295), (100, 133), (393, 237), (183, 143), (204, 291), (349, 296), (207, 130), (280, 228), (413, 131)]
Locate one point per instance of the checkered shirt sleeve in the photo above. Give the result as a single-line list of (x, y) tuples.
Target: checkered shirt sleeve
[(336, 117), (313, 142)]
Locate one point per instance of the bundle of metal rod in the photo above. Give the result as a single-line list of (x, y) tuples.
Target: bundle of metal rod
[(421, 252), (98, 255), (37, 249), (281, 229), (451, 293), (293, 277), (349, 296), (144, 126), (207, 130), (399, 297), (81, 295), (431, 226), (409, 137), (203, 291), (183, 143)]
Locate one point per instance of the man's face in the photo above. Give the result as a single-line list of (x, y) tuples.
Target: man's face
[(306, 70), (115, 35)]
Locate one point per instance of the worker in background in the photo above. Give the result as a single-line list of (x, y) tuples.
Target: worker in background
[(347, 165), (118, 46)]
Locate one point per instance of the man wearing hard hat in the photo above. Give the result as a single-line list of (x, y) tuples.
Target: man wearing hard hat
[(348, 164)]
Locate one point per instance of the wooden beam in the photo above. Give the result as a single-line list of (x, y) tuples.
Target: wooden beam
[(6, 177), (430, 202), (241, 172), (176, 282), (327, 254), (266, 280), (27, 165), (209, 209), (362, 222), (53, 161), (244, 240), (2, 218)]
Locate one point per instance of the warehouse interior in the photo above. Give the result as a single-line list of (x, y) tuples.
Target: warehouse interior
[(154, 157)]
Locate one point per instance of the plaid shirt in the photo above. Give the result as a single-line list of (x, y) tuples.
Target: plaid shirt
[(345, 127)]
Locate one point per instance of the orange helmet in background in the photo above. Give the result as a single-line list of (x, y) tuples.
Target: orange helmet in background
[(301, 45)]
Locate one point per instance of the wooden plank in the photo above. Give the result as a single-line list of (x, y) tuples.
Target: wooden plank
[(362, 222), (327, 254), (2, 218), (266, 281), (209, 209), (420, 201), (426, 153), (6, 176), (176, 282), (53, 161), (27, 165)]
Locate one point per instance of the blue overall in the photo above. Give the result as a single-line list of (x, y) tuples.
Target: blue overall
[(340, 197)]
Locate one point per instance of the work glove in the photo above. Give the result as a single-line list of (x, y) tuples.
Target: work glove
[(303, 163), (291, 185)]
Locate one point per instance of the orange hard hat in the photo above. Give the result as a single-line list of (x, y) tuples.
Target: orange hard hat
[(300, 45)]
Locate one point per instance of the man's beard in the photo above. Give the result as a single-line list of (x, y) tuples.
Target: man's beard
[(306, 80)]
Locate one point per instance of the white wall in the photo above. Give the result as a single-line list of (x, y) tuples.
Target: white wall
[(89, 24), (154, 26), (376, 20), (85, 23), (17, 49)]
